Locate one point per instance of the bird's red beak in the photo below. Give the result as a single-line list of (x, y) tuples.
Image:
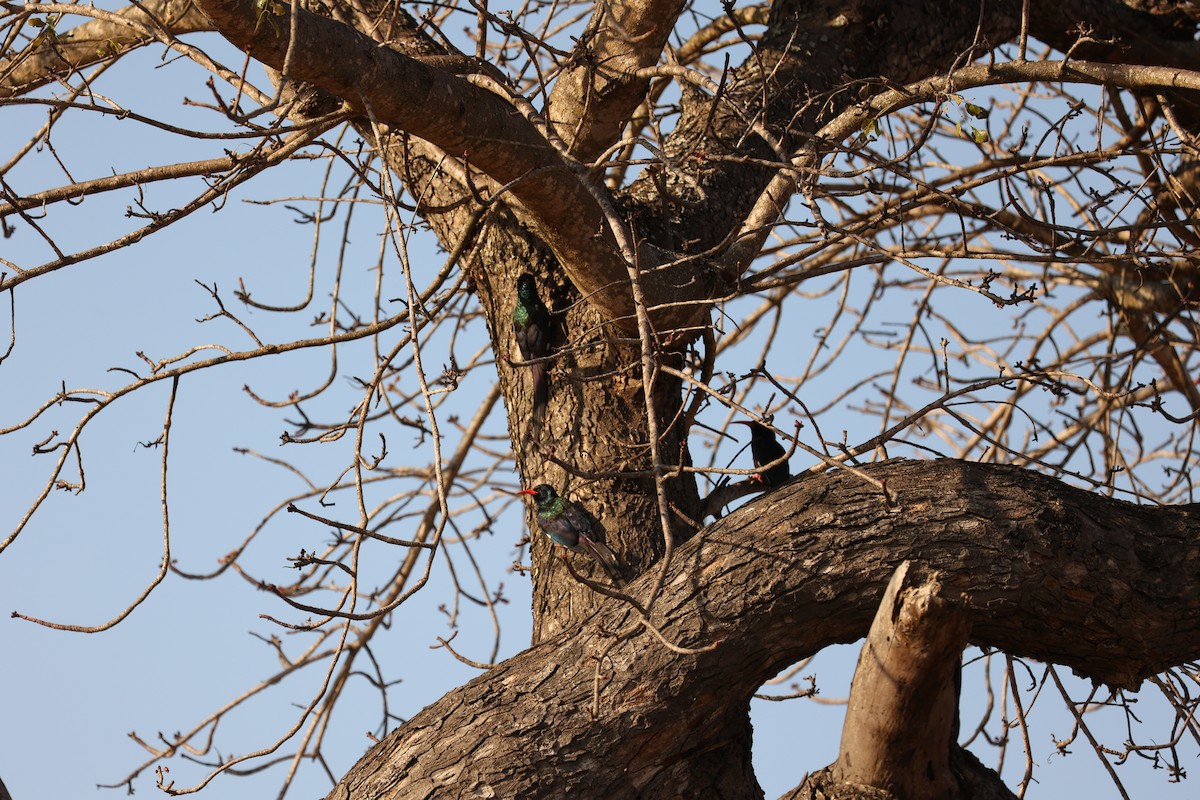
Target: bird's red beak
[(526, 491)]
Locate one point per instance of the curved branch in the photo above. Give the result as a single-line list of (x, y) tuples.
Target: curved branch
[(75, 191), (467, 121), (594, 97), (98, 40), (774, 198), (1120, 32), (787, 575)]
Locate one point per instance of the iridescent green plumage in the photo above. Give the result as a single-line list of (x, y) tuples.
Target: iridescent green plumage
[(531, 327), (570, 526)]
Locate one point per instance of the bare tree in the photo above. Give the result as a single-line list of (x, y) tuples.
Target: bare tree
[(943, 253)]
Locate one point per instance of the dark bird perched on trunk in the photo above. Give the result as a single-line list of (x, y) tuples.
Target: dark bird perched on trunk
[(531, 324), (567, 524), (764, 449)]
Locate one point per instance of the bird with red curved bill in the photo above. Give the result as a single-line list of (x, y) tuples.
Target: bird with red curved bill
[(765, 449), (569, 525), (531, 326)]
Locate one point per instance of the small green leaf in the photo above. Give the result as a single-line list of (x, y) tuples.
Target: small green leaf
[(978, 112), (869, 131)]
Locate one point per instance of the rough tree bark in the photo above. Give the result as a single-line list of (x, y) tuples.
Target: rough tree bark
[(609, 710), (902, 721)]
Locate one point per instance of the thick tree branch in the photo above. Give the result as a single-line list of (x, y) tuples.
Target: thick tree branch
[(778, 192), (813, 50), (790, 573), (467, 121), (594, 97), (804, 70), (98, 40), (1115, 31), (900, 725)]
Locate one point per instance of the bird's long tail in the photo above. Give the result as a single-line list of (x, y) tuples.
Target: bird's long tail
[(541, 394), (606, 559)]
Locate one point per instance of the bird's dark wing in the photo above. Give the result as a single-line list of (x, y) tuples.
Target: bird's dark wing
[(604, 557)]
